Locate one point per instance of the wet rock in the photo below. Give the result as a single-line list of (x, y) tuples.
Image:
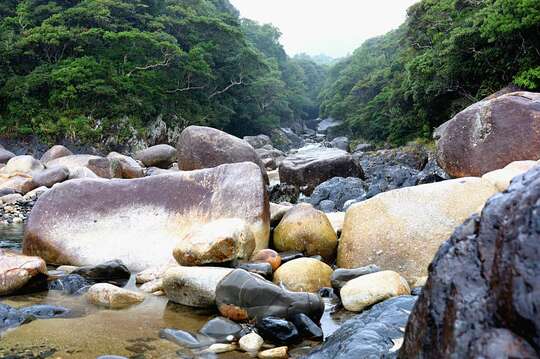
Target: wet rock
[(312, 167), (490, 134), (42, 311), (289, 256), (269, 256), (220, 328), (274, 353), (223, 240), (105, 167), (139, 221), (110, 296), (21, 274), (204, 147), (161, 156), (220, 348), (108, 271), (258, 141), (130, 168), (338, 190), (485, 277), (341, 143), (376, 333), (342, 275), (5, 155), (304, 275), (11, 317), (282, 192), (306, 327), (70, 284), (193, 286), (251, 342), (55, 152), (260, 298), (305, 229), (401, 230), (362, 292), (186, 339), (262, 268), (278, 330), (51, 176), (22, 164)]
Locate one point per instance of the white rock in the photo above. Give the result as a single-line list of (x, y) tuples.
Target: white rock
[(110, 296), (251, 342), (279, 352)]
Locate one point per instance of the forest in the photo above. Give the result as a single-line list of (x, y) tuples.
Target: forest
[(83, 68)]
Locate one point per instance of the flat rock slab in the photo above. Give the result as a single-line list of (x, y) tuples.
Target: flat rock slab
[(139, 221)]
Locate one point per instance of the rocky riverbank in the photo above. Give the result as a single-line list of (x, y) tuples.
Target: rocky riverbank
[(276, 240)]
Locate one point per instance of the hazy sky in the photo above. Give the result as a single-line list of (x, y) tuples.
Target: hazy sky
[(333, 27)]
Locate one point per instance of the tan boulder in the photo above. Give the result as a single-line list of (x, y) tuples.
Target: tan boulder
[(22, 164), (129, 166), (113, 297), (305, 229), (373, 288), (55, 152), (139, 221), (336, 219), (73, 163), (19, 273), (105, 167), (501, 178), (19, 183), (401, 230), (304, 275), (220, 241)]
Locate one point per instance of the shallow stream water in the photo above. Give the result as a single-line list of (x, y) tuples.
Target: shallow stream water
[(94, 331)]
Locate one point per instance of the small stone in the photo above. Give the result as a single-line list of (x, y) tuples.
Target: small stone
[(279, 352), (341, 275), (251, 342), (220, 328), (220, 348), (277, 330), (110, 296), (268, 256), (307, 328), (186, 339)]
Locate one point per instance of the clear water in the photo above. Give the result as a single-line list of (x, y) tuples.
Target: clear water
[(129, 332)]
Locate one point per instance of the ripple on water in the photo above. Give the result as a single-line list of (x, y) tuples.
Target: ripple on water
[(11, 236)]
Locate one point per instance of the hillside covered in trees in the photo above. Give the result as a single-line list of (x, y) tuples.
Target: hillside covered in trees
[(448, 55), (81, 69)]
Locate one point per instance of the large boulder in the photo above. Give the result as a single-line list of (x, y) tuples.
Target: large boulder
[(285, 139), (22, 164), (51, 176), (129, 166), (242, 295), (74, 163), (315, 165), (19, 273), (223, 240), (193, 286), (376, 333), (105, 167), (205, 147), (502, 178), (55, 152), (305, 229), (258, 141), (161, 156), (402, 229), (21, 184), (490, 134), (139, 221), (481, 298)]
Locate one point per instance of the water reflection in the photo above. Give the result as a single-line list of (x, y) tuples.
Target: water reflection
[(11, 236)]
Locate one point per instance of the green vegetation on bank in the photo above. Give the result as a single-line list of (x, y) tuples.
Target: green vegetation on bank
[(448, 55), (84, 69)]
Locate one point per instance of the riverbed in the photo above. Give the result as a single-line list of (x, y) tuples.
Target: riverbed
[(92, 331)]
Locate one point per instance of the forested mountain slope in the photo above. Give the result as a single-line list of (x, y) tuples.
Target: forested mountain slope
[(85, 69), (448, 55)]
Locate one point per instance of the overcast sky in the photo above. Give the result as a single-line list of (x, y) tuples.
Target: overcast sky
[(332, 27)]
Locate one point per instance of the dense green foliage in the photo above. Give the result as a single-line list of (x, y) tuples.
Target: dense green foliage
[(448, 54), (87, 68)]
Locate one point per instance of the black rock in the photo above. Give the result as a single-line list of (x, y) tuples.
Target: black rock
[(431, 173), (278, 331), (109, 271), (242, 295), (327, 292), (70, 284), (338, 190), (306, 327), (481, 295), (261, 268), (289, 256), (186, 339), (372, 334), (416, 291), (220, 328), (341, 275)]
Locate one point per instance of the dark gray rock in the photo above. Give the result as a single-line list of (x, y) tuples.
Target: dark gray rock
[(220, 328), (341, 142), (372, 334), (338, 190), (389, 178), (289, 256), (306, 327), (5, 155), (186, 339), (431, 173), (70, 284), (415, 157), (282, 192), (485, 277), (342, 275), (11, 317), (327, 206), (108, 271), (278, 331), (261, 268)]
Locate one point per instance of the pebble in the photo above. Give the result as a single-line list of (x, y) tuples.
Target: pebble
[(279, 352), (220, 348), (251, 342)]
